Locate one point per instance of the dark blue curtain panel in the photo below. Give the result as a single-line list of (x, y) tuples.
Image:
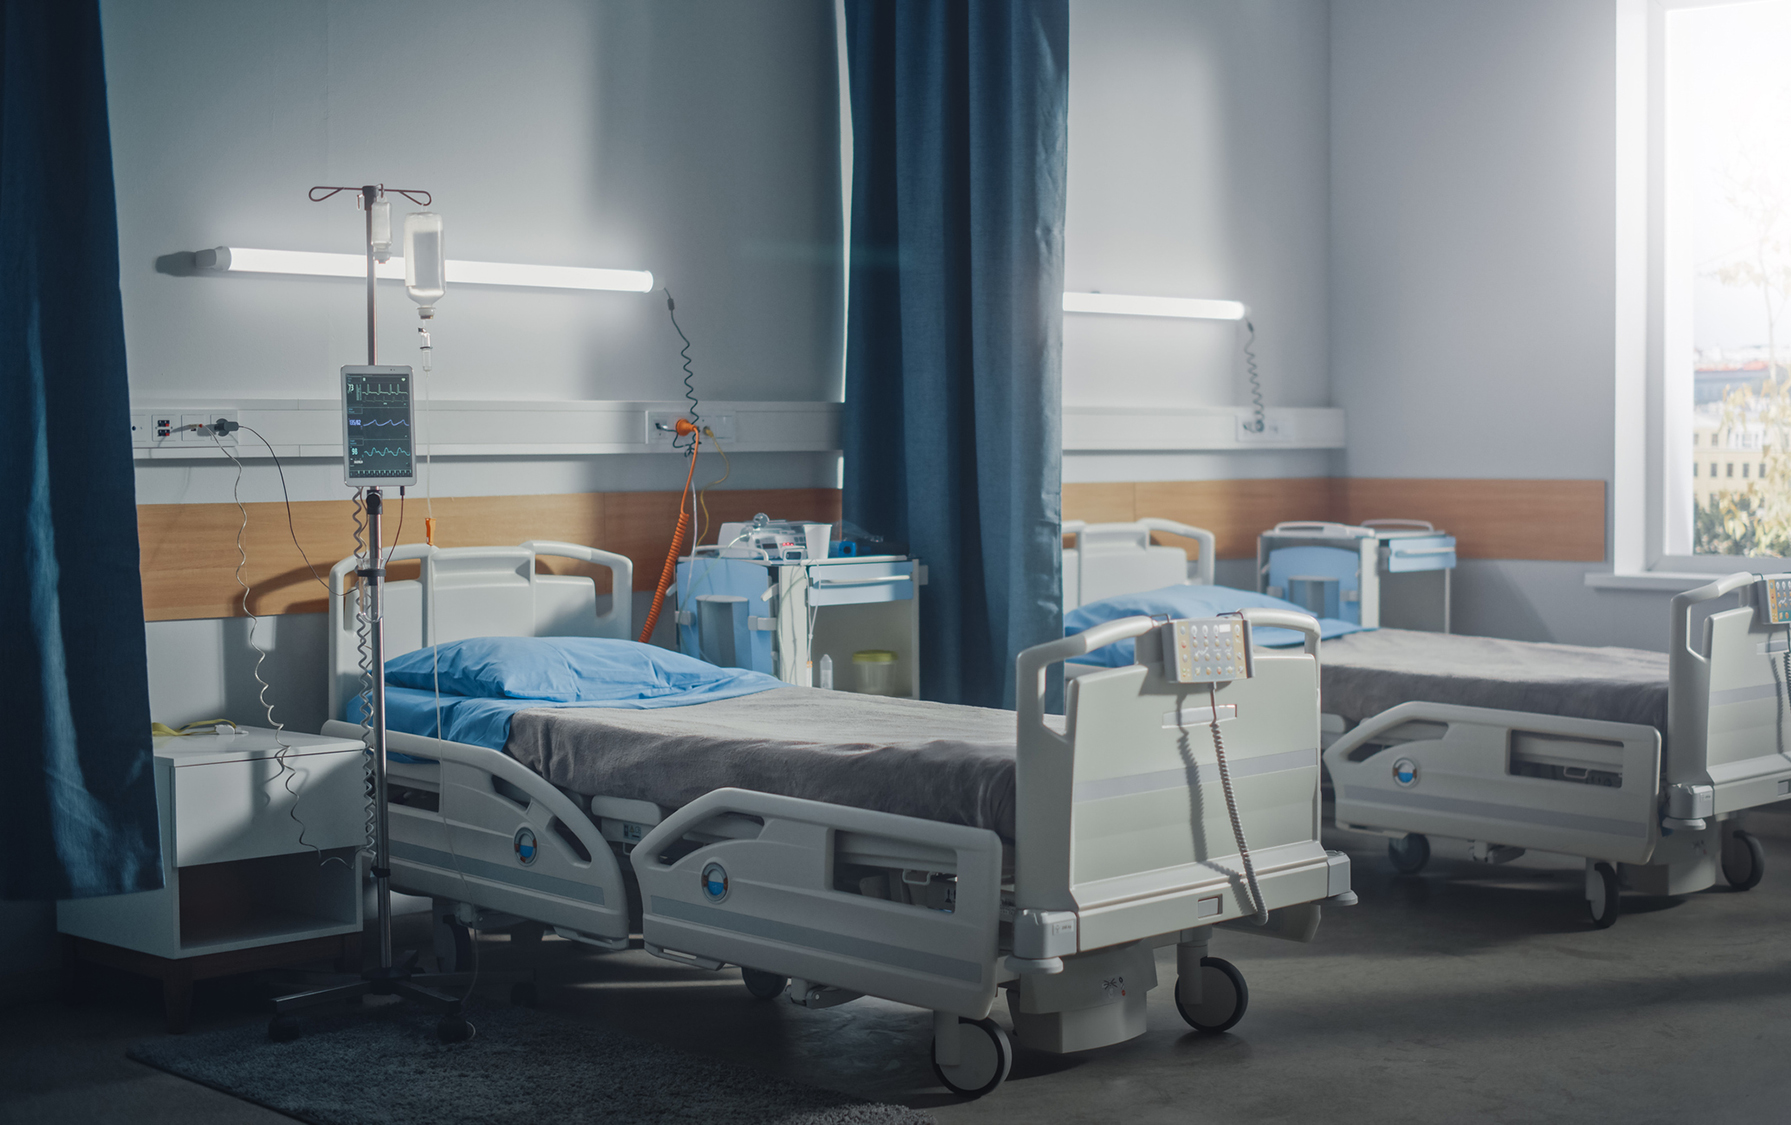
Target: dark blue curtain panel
[(76, 774), (953, 422)]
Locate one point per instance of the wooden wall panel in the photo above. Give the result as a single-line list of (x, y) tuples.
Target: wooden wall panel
[(1560, 520), (189, 552)]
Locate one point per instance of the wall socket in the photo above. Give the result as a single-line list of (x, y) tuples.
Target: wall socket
[(1273, 429), (722, 424), (204, 437)]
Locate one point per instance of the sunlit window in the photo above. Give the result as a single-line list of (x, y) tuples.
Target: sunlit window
[(1729, 99)]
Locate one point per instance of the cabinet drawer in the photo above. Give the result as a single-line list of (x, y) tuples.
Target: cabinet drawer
[(242, 809), (860, 583)]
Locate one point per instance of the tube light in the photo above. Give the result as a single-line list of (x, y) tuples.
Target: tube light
[(1120, 304), (306, 263)]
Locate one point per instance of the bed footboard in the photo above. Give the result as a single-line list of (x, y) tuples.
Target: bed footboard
[(1122, 821), (499, 837), (861, 901), (1580, 787)]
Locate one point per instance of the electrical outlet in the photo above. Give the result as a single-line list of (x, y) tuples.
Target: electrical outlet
[(721, 424), (161, 427), (1273, 429), (205, 437), (140, 433)]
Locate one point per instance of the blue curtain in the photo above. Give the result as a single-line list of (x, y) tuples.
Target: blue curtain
[(952, 424), (77, 783)]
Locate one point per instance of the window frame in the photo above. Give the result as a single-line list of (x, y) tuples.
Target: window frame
[(1652, 484)]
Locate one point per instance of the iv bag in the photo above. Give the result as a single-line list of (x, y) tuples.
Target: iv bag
[(424, 266)]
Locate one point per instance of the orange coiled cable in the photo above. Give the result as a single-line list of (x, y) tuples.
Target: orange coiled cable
[(683, 426)]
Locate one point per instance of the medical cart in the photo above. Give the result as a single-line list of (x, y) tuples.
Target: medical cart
[(1392, 574)]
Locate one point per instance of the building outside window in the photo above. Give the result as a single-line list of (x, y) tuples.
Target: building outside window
[(1727, 158)]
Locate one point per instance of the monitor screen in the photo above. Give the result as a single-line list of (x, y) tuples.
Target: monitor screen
[(376, 414)]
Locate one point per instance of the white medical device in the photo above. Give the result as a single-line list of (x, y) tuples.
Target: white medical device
[(1206, 651), (378, 431), (1123, 558), (1380, 574)]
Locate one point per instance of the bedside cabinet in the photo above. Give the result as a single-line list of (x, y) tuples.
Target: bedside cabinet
[(243, 891)]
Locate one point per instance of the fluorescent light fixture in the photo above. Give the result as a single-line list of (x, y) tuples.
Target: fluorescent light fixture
[(1120, 304), (306, 263)]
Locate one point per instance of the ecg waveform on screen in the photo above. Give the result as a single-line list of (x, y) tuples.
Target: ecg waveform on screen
[(379, 426)]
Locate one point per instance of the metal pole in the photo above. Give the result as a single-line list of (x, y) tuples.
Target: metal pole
[(370, 195), (374, 577)]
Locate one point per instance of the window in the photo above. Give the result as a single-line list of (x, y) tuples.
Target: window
[(1710, 138)]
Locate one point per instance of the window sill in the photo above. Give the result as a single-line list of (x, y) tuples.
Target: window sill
[(1665, 581)]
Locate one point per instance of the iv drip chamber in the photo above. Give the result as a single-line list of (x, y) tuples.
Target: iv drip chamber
[(424, 267), (382, 230)]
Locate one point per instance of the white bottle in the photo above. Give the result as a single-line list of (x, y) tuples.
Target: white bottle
[(381, 237), (425, 270), (826, 672)]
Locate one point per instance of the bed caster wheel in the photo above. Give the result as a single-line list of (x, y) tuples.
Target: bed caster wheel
[(283, 1028), (763, 985), (1224, 997), (522, 994), (985, 1055), (1744, 860), (1409, 853), (453, 946), (453, 1028), (1602, 896)]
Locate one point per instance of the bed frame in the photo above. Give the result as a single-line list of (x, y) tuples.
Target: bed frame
[(1123, 844), (1642, 817)]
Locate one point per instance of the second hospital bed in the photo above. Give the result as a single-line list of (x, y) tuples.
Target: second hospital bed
[(849, 845), (1634, 762)]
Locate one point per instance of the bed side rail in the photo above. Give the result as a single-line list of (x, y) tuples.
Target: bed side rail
[(1680, 647), (1580, 787), (471, 847), (830, 895)]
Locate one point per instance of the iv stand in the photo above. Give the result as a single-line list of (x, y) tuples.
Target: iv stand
[(386, 978)]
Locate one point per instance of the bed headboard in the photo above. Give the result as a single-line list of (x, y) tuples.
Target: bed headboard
[(465, 592), (1119, 558)]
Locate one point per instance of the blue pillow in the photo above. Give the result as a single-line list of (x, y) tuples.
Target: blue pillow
[(558, 669), (1188, 601)]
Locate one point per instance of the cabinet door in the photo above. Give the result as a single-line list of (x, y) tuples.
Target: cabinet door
[(245, 809)]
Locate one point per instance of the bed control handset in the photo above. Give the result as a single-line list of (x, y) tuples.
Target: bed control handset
[(1775, 599), (1206, 650)]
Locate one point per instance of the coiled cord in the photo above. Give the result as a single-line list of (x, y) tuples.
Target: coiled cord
[(363, 643), (286, 774), (1231, 806), (1262, 421), (671, 310)]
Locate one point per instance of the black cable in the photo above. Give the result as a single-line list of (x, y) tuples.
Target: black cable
[(397, 533), (287, 496), (1255, 377), (671, 310)]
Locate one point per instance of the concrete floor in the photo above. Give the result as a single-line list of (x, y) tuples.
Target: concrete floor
[(1466, 993)]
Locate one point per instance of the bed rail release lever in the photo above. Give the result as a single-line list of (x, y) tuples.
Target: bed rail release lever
[(1044, 935)]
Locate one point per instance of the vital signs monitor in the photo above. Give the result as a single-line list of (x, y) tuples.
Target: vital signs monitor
[(377, 444)]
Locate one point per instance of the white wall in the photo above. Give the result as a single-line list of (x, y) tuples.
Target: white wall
[(1473, 297), (1198, 168), (695, 139)]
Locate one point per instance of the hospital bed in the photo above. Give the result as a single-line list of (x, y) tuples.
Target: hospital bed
[(1635, 763), (1084, 843)]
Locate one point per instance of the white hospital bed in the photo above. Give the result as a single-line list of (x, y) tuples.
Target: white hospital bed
[(1644, 812), (1122, 843)]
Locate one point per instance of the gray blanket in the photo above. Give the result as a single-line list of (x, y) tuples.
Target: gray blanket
[(1363, 674), (931, 760)]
